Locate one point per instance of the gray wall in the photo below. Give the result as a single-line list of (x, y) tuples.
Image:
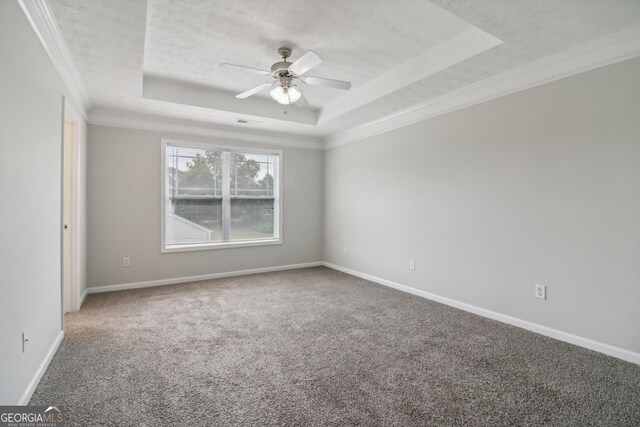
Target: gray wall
[(542, 186), (124, 177), (30, 183)]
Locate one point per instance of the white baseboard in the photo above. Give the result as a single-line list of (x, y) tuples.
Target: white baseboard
[(607, 349), (26, 396), (82, 298), (620, 353), (176, 280)]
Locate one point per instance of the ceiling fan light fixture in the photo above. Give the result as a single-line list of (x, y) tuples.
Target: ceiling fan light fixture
[(285, 95), (294, 93)]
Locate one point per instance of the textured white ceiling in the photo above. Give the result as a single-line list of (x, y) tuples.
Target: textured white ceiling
[(529, 31), (106, 40), (187, 40), (114, 42)]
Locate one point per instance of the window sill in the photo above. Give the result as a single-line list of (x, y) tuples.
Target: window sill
[(223, 245)]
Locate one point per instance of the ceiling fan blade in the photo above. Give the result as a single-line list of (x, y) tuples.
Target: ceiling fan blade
[(253, 91), (305, 63), (250, 69), (319, 81)]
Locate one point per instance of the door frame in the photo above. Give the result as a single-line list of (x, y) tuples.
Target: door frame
[(69, 209)]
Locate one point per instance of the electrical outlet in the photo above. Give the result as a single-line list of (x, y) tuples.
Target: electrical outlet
[(541, 292), (126, 262), (346, 250), (412, 265), (25, 340)]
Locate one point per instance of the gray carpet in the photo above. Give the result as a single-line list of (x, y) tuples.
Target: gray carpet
[(318, 347)]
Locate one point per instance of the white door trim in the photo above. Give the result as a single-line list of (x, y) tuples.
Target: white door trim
[(70, 127)]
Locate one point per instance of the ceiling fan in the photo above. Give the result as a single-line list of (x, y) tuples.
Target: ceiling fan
[(285, 74)]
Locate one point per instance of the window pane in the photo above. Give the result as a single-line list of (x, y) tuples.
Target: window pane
[(194, 171), (194, 221), (195, 195), (252, 175), (251, 219)]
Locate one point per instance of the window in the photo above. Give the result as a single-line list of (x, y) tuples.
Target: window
[(218, 197)]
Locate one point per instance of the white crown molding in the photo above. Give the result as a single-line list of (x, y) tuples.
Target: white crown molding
[(44, 25), (217, 99), (605, 51), (620, 353), (130, 120), (456, 49)]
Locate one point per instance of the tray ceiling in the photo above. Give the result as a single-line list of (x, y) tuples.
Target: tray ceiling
[(162, 56)]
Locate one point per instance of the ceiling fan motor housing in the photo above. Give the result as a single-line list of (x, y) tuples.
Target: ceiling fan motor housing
[(285, 81), (280, 68)]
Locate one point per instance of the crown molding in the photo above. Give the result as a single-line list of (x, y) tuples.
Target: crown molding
[(44, 25), (154, 123), (181, 92), (464, 45), (608, 50)]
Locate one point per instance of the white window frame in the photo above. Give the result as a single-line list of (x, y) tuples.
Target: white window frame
[(164, 198)]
